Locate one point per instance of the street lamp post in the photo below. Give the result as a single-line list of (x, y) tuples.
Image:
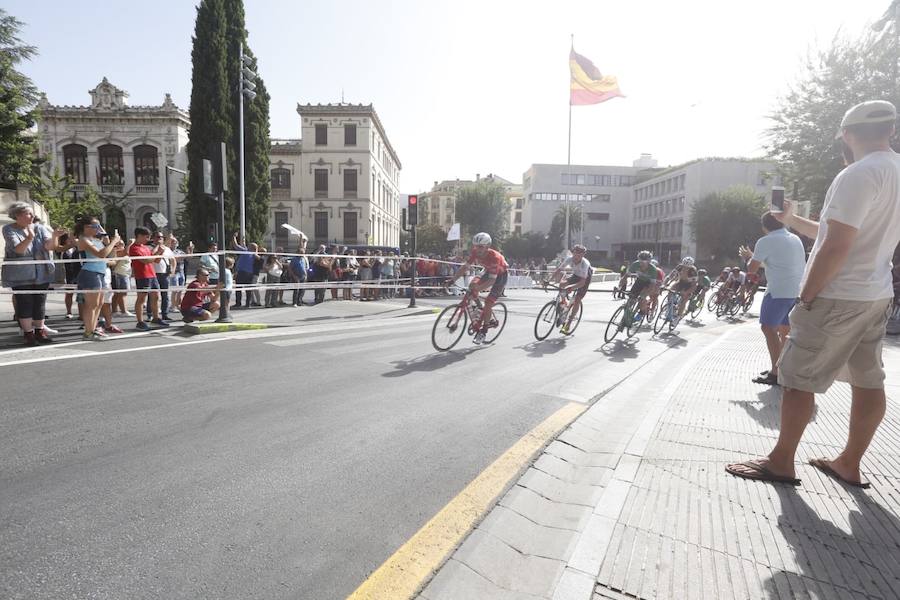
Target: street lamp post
[(168, 195), (247, 88)]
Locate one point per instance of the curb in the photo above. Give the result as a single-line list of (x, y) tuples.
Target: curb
[(197, 328)]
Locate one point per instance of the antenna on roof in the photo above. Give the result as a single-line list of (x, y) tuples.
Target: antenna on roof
[(342, 95)]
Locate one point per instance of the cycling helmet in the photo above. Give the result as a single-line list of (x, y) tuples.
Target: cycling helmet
[(645, 255), (701, 272), (687, 261), (735, 269), (482, 239)]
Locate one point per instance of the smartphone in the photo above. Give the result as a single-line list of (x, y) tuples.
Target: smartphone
[(777, 199)]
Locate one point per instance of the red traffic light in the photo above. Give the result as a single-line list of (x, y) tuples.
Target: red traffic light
[(413, 199)]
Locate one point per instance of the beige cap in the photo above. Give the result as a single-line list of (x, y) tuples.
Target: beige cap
[(873, 111)]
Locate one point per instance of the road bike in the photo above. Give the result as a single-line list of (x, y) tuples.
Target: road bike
[(556, 313), (460, 318), (628, 318), (749, 295), (695, 305), (668, 312), (729, 306)]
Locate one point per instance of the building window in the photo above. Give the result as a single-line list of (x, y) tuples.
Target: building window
[(350, 183), (518, 218), (519, 203), (321, 183), (321, 135), (281, 234), (146, 165), (565, 179), (321, 229), (350, 227), (579, 180), (112, 171), (518, 230), (75, 161), (281, 179), (592, 216), (349, 135)]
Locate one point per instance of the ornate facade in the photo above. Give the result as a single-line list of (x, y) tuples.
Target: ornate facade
[(121, 151)]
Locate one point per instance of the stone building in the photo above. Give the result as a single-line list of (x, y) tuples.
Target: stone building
[(122, 151)]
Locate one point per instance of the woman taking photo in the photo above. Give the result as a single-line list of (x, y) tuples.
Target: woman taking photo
[(90, 280), (28, 241)]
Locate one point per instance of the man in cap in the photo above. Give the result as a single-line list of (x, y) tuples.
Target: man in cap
[(839, 321)]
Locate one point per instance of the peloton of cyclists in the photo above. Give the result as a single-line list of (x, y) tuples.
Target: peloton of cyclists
[(495, 276), (579, 280)]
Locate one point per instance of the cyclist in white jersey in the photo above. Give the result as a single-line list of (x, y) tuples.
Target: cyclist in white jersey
[(579, 280)]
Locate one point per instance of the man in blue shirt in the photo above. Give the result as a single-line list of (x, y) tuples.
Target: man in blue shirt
[(784, 258), (244, 266)]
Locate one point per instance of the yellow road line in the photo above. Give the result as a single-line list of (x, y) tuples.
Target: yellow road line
[(412, 565)]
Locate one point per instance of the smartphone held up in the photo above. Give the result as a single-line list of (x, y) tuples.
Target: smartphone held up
[(777, 203)]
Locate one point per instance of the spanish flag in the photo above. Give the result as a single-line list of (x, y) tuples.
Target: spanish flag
[(588, 85)]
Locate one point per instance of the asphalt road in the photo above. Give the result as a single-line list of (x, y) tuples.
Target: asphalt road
[(287, 464)]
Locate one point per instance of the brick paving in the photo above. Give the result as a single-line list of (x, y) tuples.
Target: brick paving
[(632, 500)]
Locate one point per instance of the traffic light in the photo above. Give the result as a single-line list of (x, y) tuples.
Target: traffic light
[(248, 78), (211, 233), (413, 209)]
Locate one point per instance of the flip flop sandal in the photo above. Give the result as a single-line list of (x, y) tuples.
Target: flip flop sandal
[(822, 465), (759, 473)]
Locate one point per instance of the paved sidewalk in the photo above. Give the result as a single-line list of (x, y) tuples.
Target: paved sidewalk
[(632, 501)]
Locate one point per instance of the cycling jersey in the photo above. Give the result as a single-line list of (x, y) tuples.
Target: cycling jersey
[(686, 273), (704, 283), (581, 269), (736, 281), (493, 262), (649, 272)]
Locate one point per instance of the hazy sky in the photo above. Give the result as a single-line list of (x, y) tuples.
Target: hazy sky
[(467, 87)]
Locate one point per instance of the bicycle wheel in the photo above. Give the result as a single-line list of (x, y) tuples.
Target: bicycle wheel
[(663, 315), (498, 314), (545, 321), (614, 327), (748, 303), (697, 308), (711, 303), (576, 319), (449, 327), (735, 307)]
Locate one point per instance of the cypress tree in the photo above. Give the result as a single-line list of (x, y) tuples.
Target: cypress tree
[(210, 111), (219, 31), (18, 150)]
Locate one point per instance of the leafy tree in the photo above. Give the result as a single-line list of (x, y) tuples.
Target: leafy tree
[(482, 206), (802, 136), (64, 206), (529, 245), (18, 95), (431, 239), (724, 220), (218, 32)]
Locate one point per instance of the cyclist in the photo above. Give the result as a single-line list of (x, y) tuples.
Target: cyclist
[(735, 281), (723, 276), (579, 280), (619, 290), (647, 275), (496, 273), (685, 277), (703, 285)]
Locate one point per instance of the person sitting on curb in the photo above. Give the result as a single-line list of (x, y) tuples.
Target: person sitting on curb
[(197, 303)]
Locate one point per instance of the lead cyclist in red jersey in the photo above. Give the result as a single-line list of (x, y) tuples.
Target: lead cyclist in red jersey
[(496, 273)]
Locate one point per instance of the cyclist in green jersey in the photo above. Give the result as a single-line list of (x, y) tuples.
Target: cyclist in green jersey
[(704, 284), (646, 276)]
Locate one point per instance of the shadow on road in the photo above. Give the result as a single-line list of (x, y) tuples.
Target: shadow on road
[(431, 362), (538, 349), (818, 544), (619, 351), (670, 339), (694, 324)]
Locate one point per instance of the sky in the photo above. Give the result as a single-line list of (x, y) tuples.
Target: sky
[(465, 87)]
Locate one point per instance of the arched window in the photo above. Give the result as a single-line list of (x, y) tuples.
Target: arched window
[(112, 171), (75, 162), (146, 165), (281, 179)]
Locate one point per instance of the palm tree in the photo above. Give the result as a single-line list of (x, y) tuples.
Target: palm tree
[(576, 219)]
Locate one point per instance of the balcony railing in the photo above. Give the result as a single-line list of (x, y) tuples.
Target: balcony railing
[(111, 188), (146, 189), (79, 187)]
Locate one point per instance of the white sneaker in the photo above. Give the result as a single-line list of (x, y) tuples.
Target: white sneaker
[(128, 313), (478, 339), (50, 330)]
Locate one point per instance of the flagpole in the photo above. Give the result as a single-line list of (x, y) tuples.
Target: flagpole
[(569, 153)]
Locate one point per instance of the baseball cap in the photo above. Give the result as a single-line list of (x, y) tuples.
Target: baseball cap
[(873, 111)]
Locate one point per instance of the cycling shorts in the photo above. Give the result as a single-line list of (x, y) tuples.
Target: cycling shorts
[(499, 283), (573, 279), (640, 285), (683, 286)]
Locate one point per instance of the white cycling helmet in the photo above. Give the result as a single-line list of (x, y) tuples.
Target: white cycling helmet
[(688, 261), (482, 239)]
